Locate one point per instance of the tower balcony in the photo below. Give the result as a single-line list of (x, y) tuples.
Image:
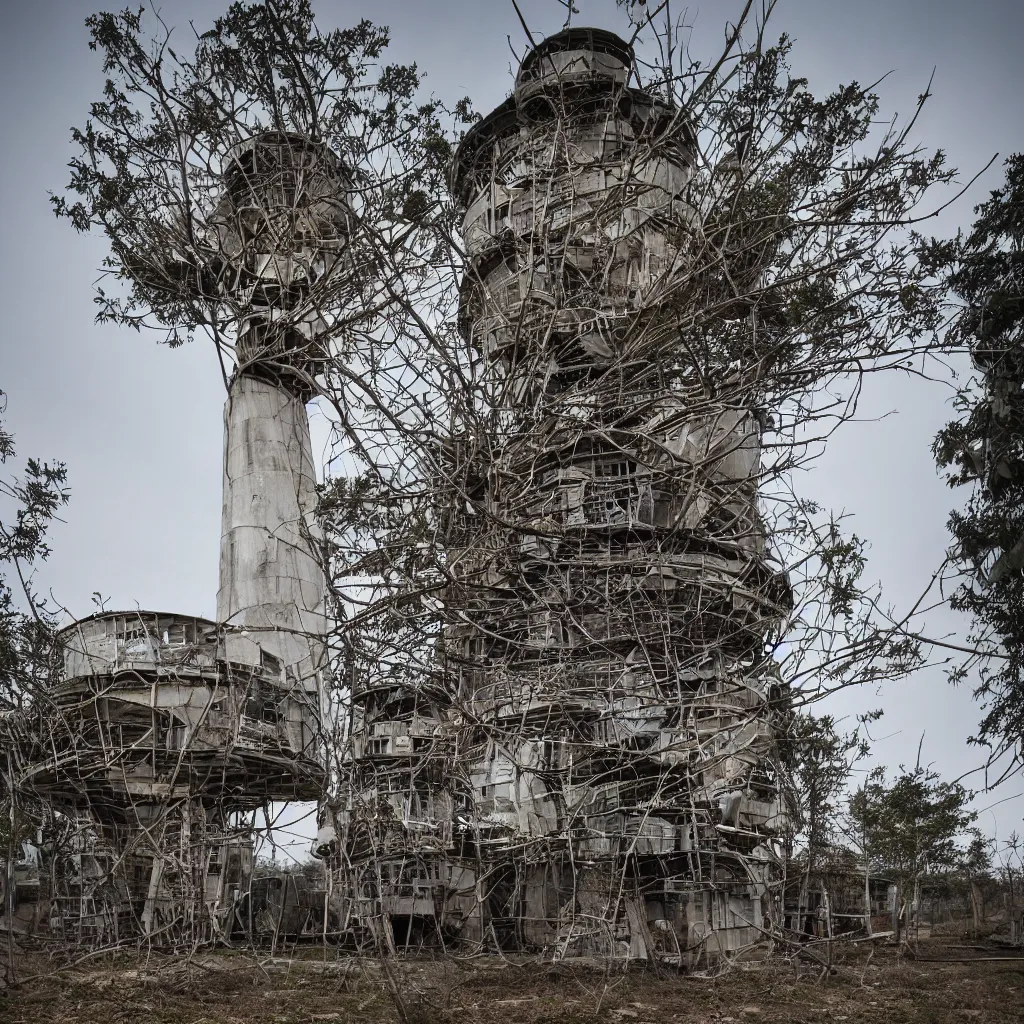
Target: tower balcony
[(577, 56), (149, 700)]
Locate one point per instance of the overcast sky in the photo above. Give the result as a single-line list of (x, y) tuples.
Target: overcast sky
[(139, 425)]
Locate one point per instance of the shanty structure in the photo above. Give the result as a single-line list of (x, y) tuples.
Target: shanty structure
[(161, 730), (595, 774), (582, 761), (388, 836)]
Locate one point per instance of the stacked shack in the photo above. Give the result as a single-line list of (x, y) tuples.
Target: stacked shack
[(614, 597), (589, 769)]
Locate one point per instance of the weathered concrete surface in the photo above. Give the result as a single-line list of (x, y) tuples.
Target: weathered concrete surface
[(271, 582)]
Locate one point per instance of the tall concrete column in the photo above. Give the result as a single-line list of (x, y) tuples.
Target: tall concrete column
[(271, 581)]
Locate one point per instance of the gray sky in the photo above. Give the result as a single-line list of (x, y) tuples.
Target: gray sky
[(139, 425)]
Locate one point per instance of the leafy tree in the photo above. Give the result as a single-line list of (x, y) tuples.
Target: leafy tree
[(976, 864), (984, 447), (28, 505), (155, 148), (910, 826), (821, 763)]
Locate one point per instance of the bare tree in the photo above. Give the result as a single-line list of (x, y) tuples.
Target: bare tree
[(587, 546)]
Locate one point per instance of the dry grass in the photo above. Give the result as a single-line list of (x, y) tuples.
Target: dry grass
[(233, 988)]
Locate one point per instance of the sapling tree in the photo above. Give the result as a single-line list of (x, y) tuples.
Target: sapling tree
[(30, 503), (822, 761)]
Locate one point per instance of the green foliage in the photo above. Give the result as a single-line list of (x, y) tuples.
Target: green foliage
[(984, 447), (30, 504), (912, 824), (821, 761)]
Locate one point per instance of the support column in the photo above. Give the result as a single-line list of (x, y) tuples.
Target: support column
[(271, 582)]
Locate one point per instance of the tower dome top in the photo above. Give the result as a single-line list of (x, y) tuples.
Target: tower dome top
[(576, 53), (277, 150)]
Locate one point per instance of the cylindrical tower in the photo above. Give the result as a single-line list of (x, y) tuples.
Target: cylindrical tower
[(282, 223), (614, 595), (163, 728)]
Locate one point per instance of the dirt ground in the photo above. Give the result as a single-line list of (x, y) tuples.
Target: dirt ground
[(878, 986)]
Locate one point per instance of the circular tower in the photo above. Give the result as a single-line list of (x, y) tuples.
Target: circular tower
[(164, 728), (281, 228), (614, 593)]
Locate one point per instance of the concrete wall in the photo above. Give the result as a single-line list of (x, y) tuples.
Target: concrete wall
[(271, 582)]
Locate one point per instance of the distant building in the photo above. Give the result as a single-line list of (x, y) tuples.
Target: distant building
[(835, 896)]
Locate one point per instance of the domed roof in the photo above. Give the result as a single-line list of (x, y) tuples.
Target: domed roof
[(592, 40)]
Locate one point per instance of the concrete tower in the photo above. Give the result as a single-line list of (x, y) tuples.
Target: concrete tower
[(615, 596), (162, 727), (282, 221)]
